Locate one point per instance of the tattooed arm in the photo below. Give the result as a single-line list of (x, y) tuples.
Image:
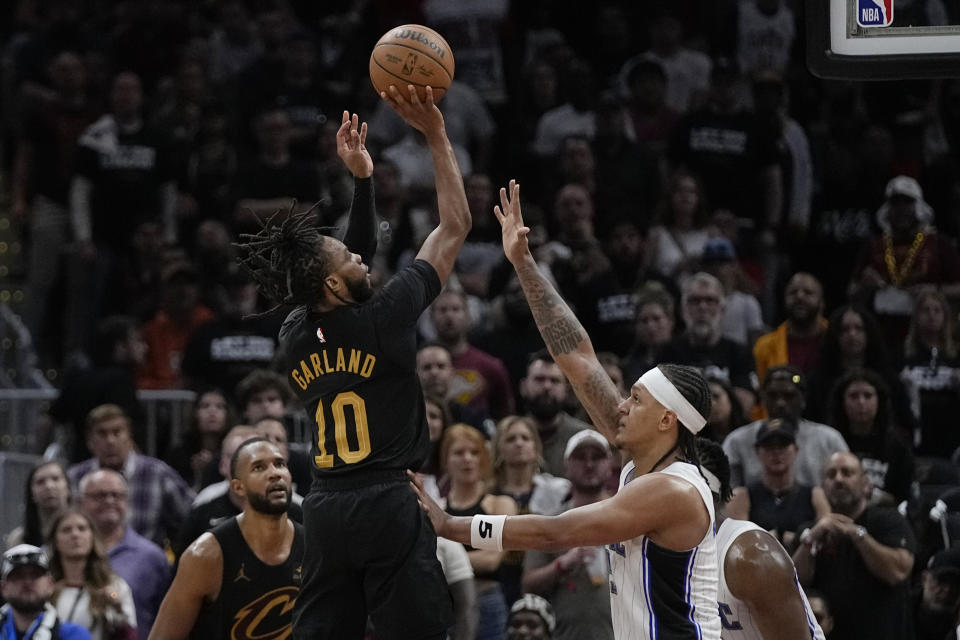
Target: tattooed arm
[(565, 337)]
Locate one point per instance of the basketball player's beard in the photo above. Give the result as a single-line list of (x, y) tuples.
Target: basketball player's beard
[(360, 291), (261, 504)]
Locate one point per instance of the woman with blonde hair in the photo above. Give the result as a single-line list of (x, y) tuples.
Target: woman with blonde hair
[(88, 592), (466, 460), (931, 374), (517, 460)]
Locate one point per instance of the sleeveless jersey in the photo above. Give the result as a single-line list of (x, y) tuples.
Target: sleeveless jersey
[(354, 370), (256, 599), (658, 593), (735, 618)]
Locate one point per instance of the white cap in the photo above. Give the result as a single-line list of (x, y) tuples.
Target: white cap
[(905, 186), (583, 436)]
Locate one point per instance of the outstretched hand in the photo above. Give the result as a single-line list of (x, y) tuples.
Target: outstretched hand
[(351, 146), (438, 517), (515, 245), (425, 117)]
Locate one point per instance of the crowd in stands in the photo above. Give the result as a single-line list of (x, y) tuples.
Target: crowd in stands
[(693, 191)]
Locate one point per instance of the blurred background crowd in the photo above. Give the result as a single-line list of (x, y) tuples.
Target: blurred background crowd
[(695, 194)]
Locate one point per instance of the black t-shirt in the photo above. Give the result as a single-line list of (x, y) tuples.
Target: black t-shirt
[(354, 369), (783, 512), (863, 605), (933, 380), (220, 353), (255, 599), (886, 460), (127, 170), (725, 360)]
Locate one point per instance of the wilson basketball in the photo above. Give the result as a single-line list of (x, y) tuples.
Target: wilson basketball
[(412, 54)]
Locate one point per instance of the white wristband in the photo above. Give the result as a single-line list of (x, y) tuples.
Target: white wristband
[(486, 532)]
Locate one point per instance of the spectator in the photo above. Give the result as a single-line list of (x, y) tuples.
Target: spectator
[(103, 497), (233, 44), (783, 396), (274, 180), (438, 419), (735, 157), (464, 456), (87, 592), (517, 455), (26, 585), (656, 320), (859, 556), (908, 251), (260, 394), (725, 411), (211, 416), (797, 341), (862, 414), (676, 242), (687, 70), (575, 581), (170, 328), (765, 31), (48, 493), (931, 374), (575, 116), (119, 351), (936, 602), (531, 618), (702, 345), (123, 180), (775, 501), (742, 319), (652, 118), (481, 380), (159, 498), (240, 339), (436, 373), (544, 391), (853, 341), (411, 156), (43, 166)]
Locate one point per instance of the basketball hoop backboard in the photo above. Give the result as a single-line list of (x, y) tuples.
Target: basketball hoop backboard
[(869, 40)]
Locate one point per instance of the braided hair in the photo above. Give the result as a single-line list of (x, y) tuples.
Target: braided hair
[(287, 257), (714, 460)]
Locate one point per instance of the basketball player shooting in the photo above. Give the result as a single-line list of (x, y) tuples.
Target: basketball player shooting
[(351, 355), (658, 528)]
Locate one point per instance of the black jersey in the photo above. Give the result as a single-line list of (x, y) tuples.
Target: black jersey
[(256, 599), (354, 369)]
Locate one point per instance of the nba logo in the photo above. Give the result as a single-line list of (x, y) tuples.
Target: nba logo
[(874, 13)]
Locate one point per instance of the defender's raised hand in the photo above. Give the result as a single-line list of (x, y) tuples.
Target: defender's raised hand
[(438, 517), (515, 245), (351, 146), (425, 117)]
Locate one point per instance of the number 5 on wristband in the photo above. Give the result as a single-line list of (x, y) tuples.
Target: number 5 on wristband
[(486, 532)]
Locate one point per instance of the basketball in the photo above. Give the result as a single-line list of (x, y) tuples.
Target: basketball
[(412, 54)]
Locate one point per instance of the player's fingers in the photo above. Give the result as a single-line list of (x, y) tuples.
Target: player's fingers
[(354, 121), (363, 133), (498, 213), (414, 98), (503, 199), (346, 116), (395, 94), (429, 91)]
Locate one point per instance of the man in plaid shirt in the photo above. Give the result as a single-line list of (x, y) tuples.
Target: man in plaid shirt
[(159, 497)]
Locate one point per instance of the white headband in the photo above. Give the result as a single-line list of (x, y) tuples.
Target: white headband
[(712, 481), (666, 394)]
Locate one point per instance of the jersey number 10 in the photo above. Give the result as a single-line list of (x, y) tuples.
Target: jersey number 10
[(344, 452)]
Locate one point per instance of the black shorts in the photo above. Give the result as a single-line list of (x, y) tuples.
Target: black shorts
[(370, 550)]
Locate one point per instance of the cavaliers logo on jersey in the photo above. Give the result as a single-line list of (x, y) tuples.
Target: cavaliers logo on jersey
[(269, 617)]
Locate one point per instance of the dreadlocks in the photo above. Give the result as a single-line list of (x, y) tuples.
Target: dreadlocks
[(287, 257), (714, 460)]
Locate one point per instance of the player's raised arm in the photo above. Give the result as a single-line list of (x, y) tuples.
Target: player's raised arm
[(563, 334), (361, 232), (441, 246)]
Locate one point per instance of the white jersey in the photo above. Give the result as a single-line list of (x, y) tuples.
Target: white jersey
[(735, 617), (660, 594)]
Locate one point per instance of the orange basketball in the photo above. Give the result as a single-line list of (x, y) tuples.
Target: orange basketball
[(412, 54)]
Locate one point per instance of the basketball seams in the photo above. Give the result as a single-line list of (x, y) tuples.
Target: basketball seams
[(414, 49)]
